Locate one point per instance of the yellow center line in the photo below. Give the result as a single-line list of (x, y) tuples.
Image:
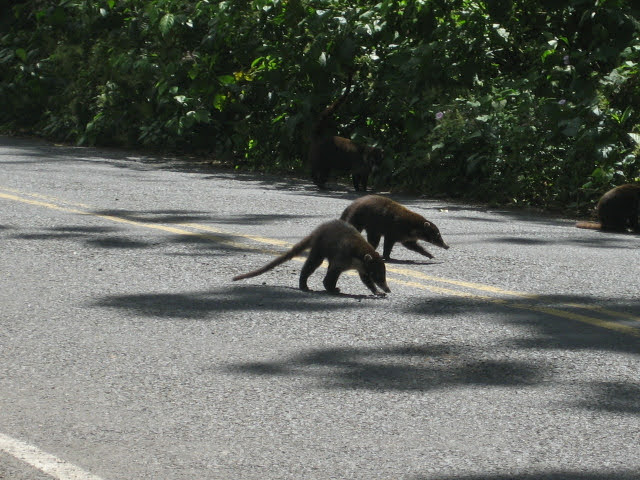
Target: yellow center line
[(113, 218), (604, 311), (500, 291), (473, 286), (255, 238), (44, 197), (220, 236)]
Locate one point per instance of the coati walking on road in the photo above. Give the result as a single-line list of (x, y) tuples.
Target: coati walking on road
[(617, 210), (344, 248), (329, 152), (382, 216)]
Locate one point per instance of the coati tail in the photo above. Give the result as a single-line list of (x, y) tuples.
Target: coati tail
[(589, 225), (321, 123), (298, 248)]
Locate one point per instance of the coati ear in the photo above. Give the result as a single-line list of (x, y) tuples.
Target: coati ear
[(428, 224), (368, 258)]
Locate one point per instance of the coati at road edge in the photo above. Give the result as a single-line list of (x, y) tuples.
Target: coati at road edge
[(381, 216), (344, 248), (328, 152), (617, 210)]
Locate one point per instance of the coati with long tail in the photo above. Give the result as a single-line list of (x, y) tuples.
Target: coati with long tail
[(617, 210), (329, 152), (381, 216), (344, 248)]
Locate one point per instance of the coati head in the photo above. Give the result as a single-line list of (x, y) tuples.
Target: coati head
[(374, 268), (430, 233)]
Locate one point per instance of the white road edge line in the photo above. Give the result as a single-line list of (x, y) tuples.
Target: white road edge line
[(43, 461)]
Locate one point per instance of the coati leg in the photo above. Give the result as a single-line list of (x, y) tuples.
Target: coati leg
[(389, 242), (633, 221), (319, 173), (310, 265), (331, 279), (320, 178), (373, 238), (358, 181), (413, 245)]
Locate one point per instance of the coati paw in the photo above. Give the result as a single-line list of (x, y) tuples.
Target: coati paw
[(334, 291), (380, 294)]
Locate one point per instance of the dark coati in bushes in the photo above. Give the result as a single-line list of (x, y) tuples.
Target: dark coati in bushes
[(617, 210), (344, 248), (328, 152), (381, 216)]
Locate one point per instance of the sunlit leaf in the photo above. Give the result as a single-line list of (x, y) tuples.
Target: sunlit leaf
[(166, 23)]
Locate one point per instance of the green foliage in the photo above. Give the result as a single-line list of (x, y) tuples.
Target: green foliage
[(509, 101)]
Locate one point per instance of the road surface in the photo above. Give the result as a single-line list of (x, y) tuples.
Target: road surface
[(126, 351)]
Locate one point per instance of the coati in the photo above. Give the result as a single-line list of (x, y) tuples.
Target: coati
[(617, 210), (329, 152), (344, 248), (382, 216)]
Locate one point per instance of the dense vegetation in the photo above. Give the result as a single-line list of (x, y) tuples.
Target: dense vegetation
[(518, 101)]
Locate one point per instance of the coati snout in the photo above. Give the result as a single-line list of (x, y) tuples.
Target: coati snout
[(381, 216), (344, 249)]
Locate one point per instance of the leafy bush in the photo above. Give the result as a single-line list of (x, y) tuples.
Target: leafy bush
[(510, 101)]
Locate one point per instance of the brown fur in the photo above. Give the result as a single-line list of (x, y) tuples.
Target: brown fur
[(589, 225), (381, 216), (328, 152), (617, 210), (343, 247)]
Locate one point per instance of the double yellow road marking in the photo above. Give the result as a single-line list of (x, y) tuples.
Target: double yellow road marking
[(600, 317)]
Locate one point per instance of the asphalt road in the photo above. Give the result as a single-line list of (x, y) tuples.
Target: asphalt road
[(126, 351)]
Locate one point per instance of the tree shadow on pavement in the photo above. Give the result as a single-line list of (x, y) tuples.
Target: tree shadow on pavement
[(413, 368), (565, 323), (599, 240), (612, 397), (544, 475), (200, 242), (560, 321)]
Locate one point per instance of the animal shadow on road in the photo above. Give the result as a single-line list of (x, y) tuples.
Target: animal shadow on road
[(394, 261), (210, 305)]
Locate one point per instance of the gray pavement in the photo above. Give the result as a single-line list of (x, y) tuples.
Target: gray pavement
[(126, 350)]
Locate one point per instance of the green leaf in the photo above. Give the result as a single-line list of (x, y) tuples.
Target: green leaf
[(202, 116), (21, 53), (218, 101), (227, 79), (546, 53), (166, 23)]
